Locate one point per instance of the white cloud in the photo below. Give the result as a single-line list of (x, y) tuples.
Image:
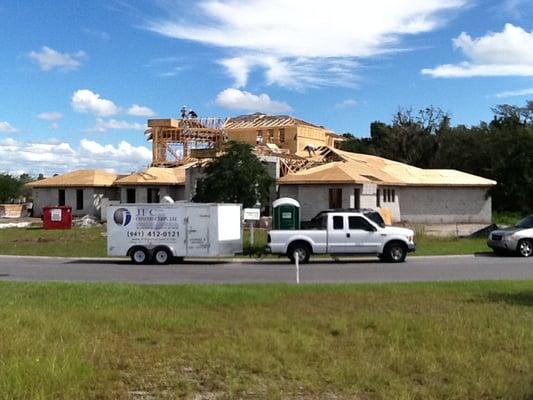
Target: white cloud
[(6, 127), (292, 39), (50, 116), (124, 153), (348, 103), (241, 100), (140, 111), (103, 125), (506, 53), (51, 157), (48, 59), (85, 101), (515, 93), (293, 73)]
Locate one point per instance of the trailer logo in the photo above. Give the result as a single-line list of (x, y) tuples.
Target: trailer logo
[(122, 217)]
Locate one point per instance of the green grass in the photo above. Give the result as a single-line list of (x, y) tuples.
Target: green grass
[(469, 340), (436, 246), (506, 218), (76, 242), (260, 241)]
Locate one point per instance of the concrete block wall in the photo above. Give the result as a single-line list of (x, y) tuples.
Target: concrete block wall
[(315, 198), (445, 205), (368, 196), (411, 204), (43, 197), (92, 199), (141, 193), (393, 206), (288, 191)]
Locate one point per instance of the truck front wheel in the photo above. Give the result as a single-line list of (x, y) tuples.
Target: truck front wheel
[(301, 250), (394, 252), (139, 255)]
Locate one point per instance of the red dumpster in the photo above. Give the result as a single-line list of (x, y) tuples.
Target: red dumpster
[(57, 217)]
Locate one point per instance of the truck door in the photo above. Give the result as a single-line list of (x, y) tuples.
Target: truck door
[(337, 234), (362, 236), (197, 223)]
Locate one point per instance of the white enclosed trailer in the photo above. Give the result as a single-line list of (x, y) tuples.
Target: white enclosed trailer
[(159, 232)]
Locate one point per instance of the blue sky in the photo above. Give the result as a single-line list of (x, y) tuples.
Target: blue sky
[(78, 79)]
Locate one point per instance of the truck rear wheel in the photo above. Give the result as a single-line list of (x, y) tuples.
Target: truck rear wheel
[(139, 255), (161, 255), (302, 251), (395, 252)]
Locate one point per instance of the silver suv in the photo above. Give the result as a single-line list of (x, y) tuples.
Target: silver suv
[(517, 239)]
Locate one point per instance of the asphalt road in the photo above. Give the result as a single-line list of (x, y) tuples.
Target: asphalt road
[(479, 267)]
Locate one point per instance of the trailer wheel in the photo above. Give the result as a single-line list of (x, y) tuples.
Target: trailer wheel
[(139, 255), (161, 255)]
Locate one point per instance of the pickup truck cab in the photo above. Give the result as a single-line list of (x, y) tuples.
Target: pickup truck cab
[(342, 233)]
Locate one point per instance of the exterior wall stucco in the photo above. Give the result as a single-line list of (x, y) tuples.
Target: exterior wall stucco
[(445, 205)]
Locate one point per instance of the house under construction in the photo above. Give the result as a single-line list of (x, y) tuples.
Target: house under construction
[(181, 141), (300, 155)]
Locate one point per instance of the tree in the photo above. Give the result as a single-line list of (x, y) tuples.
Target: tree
[(355, 144), (238, 176), (410, 138), (501, 149), (23, 180), (10, 187)]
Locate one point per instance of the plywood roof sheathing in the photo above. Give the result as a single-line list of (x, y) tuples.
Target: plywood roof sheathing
[(78, 178)]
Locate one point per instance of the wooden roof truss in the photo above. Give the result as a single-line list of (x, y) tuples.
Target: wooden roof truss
[(172, 145), (290, 164)]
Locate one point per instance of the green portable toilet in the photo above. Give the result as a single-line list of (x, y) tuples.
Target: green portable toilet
[(286, 214)]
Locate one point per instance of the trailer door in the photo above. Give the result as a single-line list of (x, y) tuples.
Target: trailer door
[(197, 229)]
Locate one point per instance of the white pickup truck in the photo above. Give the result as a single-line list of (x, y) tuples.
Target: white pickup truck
[(341, 233)]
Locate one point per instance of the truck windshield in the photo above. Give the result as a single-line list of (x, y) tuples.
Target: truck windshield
[(375, 217), (525, 223)]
